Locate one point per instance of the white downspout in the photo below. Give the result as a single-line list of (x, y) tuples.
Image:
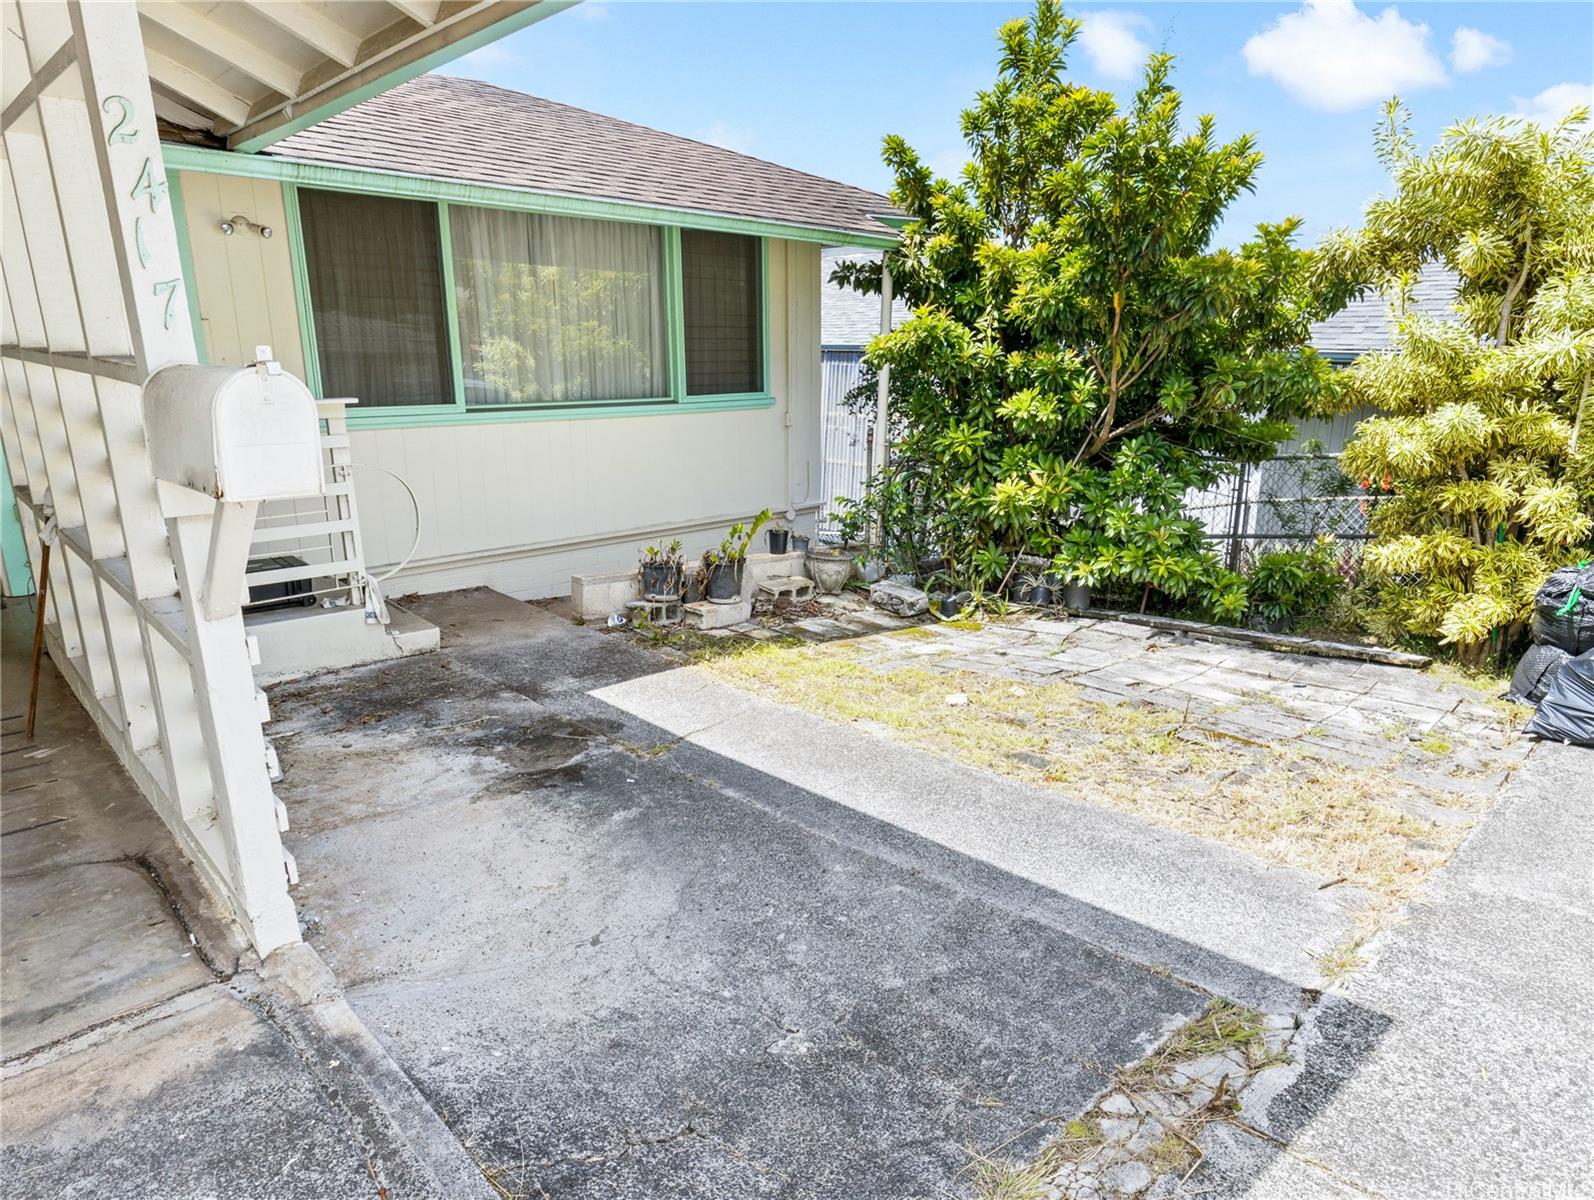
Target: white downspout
[(882, 415)]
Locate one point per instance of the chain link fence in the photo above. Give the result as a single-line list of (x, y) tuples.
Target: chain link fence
[(1284, 503)]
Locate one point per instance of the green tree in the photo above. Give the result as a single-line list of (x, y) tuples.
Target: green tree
[(1483, 445), (1079, 356)]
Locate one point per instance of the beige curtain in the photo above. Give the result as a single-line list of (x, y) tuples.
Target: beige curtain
[(555, 310)]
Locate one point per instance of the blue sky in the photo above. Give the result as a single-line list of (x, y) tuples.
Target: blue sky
[(816, 85)]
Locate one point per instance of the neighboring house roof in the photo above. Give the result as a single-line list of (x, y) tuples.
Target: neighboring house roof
[(848, 319), (1364, 325), (450, 128)]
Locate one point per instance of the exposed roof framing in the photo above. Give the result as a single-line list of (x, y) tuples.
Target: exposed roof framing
[(249, 72)]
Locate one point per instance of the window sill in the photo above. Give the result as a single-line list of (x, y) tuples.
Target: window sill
[(451, 414)]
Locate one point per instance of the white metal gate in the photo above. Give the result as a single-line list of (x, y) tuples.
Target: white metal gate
[(94, 304)]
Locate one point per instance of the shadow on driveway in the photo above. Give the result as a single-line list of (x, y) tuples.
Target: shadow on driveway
[(620, 964)]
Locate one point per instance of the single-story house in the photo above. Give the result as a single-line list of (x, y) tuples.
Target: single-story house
[(568, 336)]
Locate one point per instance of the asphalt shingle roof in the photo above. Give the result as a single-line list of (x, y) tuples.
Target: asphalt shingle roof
[(1364, 325), (450, 128), (847, 318)]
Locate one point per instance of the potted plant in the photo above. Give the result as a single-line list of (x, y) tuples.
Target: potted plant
[(1037, 589), (1075, 571), (799, 543), (660, 571), (779, 539), (723, 566), (1288, 585)]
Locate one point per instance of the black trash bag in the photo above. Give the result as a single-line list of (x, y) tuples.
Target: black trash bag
[(1566, 714), (1563, 610), (1535, 673)]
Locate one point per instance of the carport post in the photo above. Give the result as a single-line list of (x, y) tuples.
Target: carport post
[(882, 416), (880, 442)]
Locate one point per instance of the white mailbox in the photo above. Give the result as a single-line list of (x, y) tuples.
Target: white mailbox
[(236, 433)]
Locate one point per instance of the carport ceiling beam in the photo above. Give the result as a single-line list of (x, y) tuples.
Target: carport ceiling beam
[(312, 27), (201, 31), (195, 88), (422, 12)]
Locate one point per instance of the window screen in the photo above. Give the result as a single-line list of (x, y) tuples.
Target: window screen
[(376, 294), (722, 297)]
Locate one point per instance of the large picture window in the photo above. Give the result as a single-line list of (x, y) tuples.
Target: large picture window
[(435, 310), (376, 296), (556, 310), (721, 295)]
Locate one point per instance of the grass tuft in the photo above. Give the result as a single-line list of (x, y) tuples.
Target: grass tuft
[(1277, 802)]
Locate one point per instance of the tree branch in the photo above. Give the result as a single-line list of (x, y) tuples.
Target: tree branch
[(1511, 292)]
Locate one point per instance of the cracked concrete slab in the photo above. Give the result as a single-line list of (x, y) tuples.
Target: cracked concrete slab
[(198, 1099), (140, 1055), (85, 944)]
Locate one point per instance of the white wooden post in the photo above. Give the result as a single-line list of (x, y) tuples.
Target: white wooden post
[(882, 413), (151, 641)]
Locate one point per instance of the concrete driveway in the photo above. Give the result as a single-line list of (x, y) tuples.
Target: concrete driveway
[(620, 959)]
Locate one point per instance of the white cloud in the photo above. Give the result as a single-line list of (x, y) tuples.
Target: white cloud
[(1331, 55), (731, 137), (591, 10), (1472, 50), (1553, 103), (1111, 40)]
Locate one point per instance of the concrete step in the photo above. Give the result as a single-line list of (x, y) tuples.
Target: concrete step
[(299, 641)]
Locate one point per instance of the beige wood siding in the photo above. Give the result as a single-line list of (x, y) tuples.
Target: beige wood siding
[(243, 283), (522, 505)]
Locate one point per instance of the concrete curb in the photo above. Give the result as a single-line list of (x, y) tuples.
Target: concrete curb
[(402, 1132)]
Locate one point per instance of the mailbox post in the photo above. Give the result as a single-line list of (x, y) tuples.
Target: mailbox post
[(221, 441)]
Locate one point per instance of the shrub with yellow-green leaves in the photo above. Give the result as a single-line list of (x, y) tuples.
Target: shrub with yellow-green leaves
[(1483, 449)]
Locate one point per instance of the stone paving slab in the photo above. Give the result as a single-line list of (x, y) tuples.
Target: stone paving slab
[(1366, 714)]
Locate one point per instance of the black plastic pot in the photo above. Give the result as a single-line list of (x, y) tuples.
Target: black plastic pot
[(953, 604), (1076, 595), (1041, 595), (799, 543), (724, 583), (779, 541), (661, 579)]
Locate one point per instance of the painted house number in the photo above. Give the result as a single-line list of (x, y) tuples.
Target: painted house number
[(147, 186)]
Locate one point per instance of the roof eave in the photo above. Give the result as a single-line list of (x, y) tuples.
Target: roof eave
[(436, 187)]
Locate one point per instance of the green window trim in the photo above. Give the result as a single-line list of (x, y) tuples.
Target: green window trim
[(456, 412)]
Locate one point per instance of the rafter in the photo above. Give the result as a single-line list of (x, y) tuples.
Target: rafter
[(245, 55), (212, 97), (423, 12), (311, 26)]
